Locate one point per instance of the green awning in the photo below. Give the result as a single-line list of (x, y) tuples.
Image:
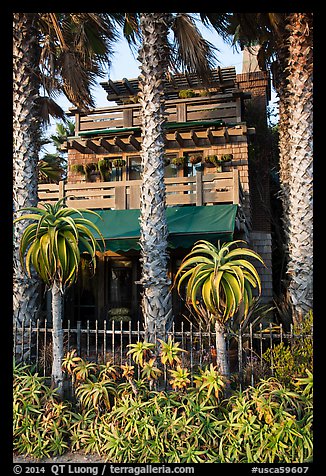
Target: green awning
[(186, 225), (166, 125)]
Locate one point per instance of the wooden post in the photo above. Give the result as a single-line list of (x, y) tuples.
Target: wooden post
[(120, 197), (134, 198), (61, 189), (236, 186), (199, 188), (127, 117), (77, 123), (182, 112)]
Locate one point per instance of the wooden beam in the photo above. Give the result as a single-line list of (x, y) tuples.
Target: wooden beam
[(178, 138), (92, 146), (134, 142), (73, 144), (117, 141), (194, 138), (113, 87), (199, 188), (128, 86), (210, 136), (188, 80), (105, 144), (226, 134)]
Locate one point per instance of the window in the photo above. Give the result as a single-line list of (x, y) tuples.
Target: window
[(122, 290), (134, 168)]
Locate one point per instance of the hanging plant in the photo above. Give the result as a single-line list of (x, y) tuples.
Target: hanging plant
[(186, 93), (78, 169), (214, 161), (226, 157), (105, 168), (195, 159), (118, 162), (85, 169), (211, 161), (179, 162)]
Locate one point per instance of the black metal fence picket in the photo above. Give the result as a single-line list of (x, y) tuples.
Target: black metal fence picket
[(108, 341)]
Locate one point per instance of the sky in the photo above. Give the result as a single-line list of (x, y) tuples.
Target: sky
[(125, 65)]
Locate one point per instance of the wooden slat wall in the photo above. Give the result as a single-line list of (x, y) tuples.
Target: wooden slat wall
[(222, 187), (180, 110)]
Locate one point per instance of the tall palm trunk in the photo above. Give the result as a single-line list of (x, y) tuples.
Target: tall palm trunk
[(156, 302), (26, 136), (300, 214), (57, 338), (294, 88)]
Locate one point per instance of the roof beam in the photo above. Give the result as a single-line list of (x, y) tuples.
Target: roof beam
[(178, 138), (194, 138), (92, 146), (226, 134), (128, 86), (113, 87), (105, 144), (73, 144), (134, 142), (117, 141), (210, 136)]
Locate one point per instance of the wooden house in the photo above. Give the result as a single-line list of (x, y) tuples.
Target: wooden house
[(204, 200)]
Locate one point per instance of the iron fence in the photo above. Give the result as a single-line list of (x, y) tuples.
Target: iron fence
[(103, 341)]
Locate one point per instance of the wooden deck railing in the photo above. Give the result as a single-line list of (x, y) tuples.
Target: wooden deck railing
[(226, 107), (215, 188)]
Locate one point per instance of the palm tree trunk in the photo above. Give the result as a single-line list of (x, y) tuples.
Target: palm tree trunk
[(294, 87), (300, 87), (57, 338), (156, 302), (26, 135)]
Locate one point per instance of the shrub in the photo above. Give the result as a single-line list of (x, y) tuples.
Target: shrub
[(268, 424), (41, 422), (125, 421), (291, 361)]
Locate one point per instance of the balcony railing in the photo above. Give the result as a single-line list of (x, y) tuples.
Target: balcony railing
[(225, 107), (208, 189)]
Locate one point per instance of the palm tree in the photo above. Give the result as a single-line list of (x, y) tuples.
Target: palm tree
[(286, 41), (219, 280), (52, 52), (53, 167), (158, 56), (51, 245)]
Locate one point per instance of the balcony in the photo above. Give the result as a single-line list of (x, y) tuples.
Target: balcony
[(208, 189)]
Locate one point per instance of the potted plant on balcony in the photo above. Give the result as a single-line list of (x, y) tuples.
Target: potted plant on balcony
[(226, 159), (118, 162), (105, 169), (179, 162), (186, 93), (211, 161), (215, 161), (195, 159), (85, 169)]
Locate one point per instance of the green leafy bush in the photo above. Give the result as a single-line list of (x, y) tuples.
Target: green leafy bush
[(41, 422), (125, 421), (291, 361), (268, 424)]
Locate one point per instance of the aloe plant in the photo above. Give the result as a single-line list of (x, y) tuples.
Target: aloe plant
[(51, 245), (219, 280)]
